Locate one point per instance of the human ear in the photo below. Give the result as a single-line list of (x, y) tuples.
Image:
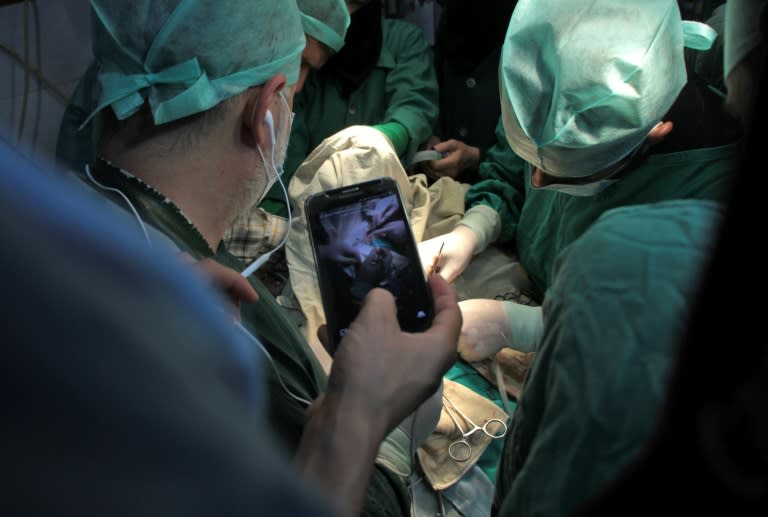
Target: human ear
[(659, 132), (257, 117)]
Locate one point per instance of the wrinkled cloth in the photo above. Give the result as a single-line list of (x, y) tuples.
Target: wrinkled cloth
[(440, 470), (617, 306), (360, 153), (254, 233), (469, 497), (357, 154)]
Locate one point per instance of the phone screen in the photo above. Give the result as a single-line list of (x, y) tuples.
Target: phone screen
[(362, 239)]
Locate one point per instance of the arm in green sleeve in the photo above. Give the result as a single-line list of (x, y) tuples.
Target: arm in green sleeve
[(485, 223), (526, 326), (501, 186), (396, 134), (411, 86)]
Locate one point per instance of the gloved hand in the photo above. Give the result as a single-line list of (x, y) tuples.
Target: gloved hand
[(450, 261), (490, 325)]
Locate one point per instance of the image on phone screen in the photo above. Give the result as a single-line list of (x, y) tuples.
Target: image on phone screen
[(363, 241)]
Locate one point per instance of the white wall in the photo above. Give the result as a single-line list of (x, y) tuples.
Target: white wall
[(61, 41)]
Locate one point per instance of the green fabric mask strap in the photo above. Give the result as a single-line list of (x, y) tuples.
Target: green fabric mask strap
[(697, 35)]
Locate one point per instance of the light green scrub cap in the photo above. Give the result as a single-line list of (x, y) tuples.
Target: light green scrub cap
[(186, 56), (325, 20), (583, 82), (742, 31)]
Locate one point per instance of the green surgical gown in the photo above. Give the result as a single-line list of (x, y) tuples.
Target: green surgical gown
[(617, 306), (541, 223)]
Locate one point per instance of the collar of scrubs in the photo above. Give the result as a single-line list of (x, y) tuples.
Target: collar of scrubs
[(153, 208)]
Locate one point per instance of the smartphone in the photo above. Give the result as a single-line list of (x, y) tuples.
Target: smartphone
[(361, 238)]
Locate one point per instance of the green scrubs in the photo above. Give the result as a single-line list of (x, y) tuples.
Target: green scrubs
[(401, 88), (541, 223), (617, 306), (387, 494)]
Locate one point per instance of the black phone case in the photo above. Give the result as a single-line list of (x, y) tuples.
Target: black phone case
[(356, 219)]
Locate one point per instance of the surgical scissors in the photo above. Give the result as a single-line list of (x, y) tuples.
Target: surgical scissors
[(460, 450)]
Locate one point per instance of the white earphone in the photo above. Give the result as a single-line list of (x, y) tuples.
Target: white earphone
[(270, 121), (256, 264)]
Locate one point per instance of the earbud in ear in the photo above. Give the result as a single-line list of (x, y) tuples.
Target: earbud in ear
[(271, 125)]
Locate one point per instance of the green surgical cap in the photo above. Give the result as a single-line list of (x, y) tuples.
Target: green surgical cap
[(325, 20), (583, 82), (742, 31), (186, 56)]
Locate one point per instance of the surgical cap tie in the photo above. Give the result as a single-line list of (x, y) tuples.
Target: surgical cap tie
[(199, 92), (125, 98), (183, 57)]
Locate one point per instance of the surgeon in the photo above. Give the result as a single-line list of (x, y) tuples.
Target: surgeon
[(621, 298), (588, 124), (196, 108), (325, 23)]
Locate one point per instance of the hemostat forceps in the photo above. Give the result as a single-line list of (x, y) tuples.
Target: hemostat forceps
[(461, 450)]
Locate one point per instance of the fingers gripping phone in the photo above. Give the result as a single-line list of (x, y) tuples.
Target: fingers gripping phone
[(361, 239)]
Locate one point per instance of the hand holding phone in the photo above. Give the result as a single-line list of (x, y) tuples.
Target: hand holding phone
[(361, 239)]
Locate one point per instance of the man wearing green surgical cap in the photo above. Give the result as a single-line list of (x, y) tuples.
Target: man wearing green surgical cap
[(588, 124), (598, 112), (629, 406), (616, 244), (383, 77), (195, 104), (325, 23)]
